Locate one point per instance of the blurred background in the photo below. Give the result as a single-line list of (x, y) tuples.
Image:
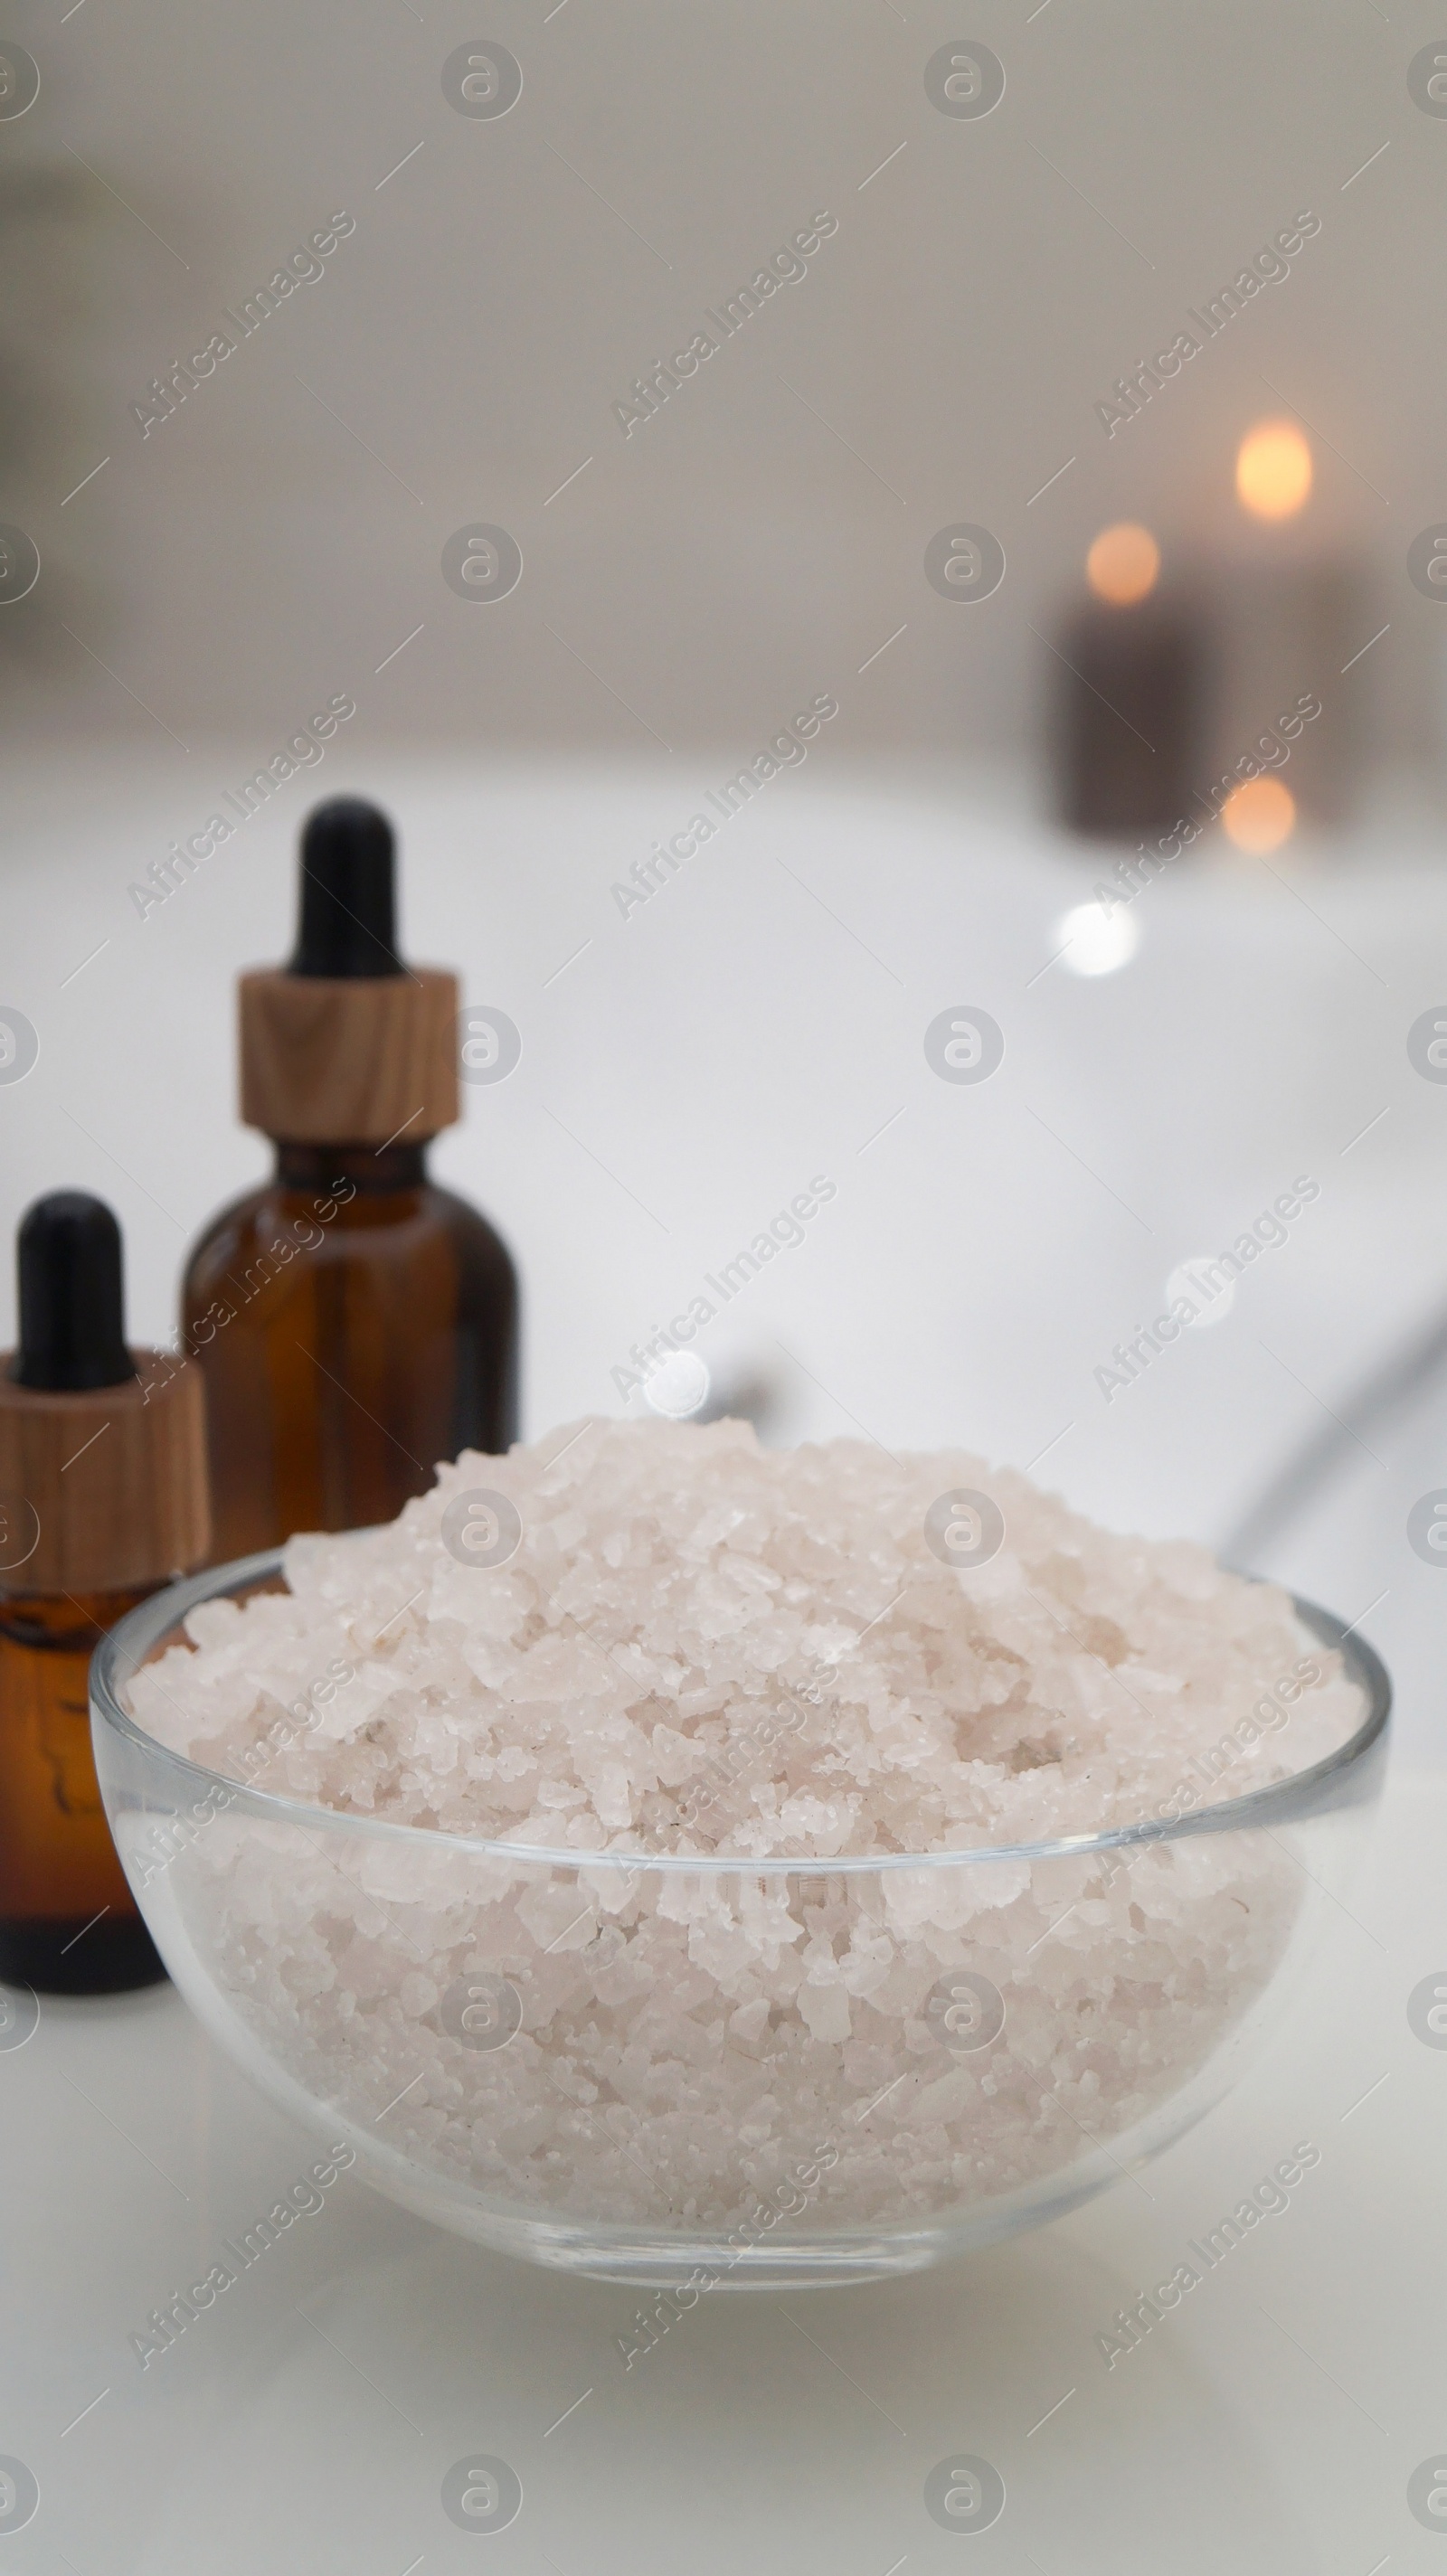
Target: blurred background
[(464, 350), (952, 468)]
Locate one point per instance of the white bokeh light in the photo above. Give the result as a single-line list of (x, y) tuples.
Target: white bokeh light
[(1094, 941), (1199, 1281), (678, 1386)]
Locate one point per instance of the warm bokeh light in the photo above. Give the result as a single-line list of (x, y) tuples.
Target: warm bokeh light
[(1259, 815), (1273, 470), (1123, 563)]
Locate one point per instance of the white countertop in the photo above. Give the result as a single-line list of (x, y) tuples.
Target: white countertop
[(306, 2424)]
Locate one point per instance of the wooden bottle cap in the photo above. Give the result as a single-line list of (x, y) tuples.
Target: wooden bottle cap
[(103, 1489), (352, 1060)]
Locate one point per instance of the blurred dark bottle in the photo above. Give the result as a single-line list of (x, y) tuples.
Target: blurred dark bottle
[(353, 1322), (1129, 680), (102, 1500)]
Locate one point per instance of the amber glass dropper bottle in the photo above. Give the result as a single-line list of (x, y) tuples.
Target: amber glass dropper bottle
[(102, 1499), (354, 1323)]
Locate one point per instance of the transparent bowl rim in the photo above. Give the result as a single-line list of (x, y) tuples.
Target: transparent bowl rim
[(1339, 1778)]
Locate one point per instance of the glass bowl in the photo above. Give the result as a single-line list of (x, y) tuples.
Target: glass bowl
[(545, 2050)]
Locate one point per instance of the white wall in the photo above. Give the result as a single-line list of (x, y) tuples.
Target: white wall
[(735, 555)]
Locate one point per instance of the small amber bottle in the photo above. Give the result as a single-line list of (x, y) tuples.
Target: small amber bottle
[(102, 1499), (354, 1323)]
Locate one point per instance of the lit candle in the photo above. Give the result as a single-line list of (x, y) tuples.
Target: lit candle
[(1287, 715), (1128, 696)]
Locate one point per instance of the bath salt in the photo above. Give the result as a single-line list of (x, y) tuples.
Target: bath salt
[(700, 1646), (683, 1648)]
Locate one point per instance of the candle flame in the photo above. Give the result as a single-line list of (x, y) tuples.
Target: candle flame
[(1273, 470), (1123, 563)]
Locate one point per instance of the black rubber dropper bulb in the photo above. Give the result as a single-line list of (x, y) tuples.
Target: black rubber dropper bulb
[(72, 1300), (348, 925)]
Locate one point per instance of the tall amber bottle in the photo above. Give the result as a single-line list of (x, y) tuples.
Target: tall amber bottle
[(354, 1324), (102, 1499)]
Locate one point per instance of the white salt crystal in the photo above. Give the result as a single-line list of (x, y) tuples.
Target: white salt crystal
[(701, 1647)]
